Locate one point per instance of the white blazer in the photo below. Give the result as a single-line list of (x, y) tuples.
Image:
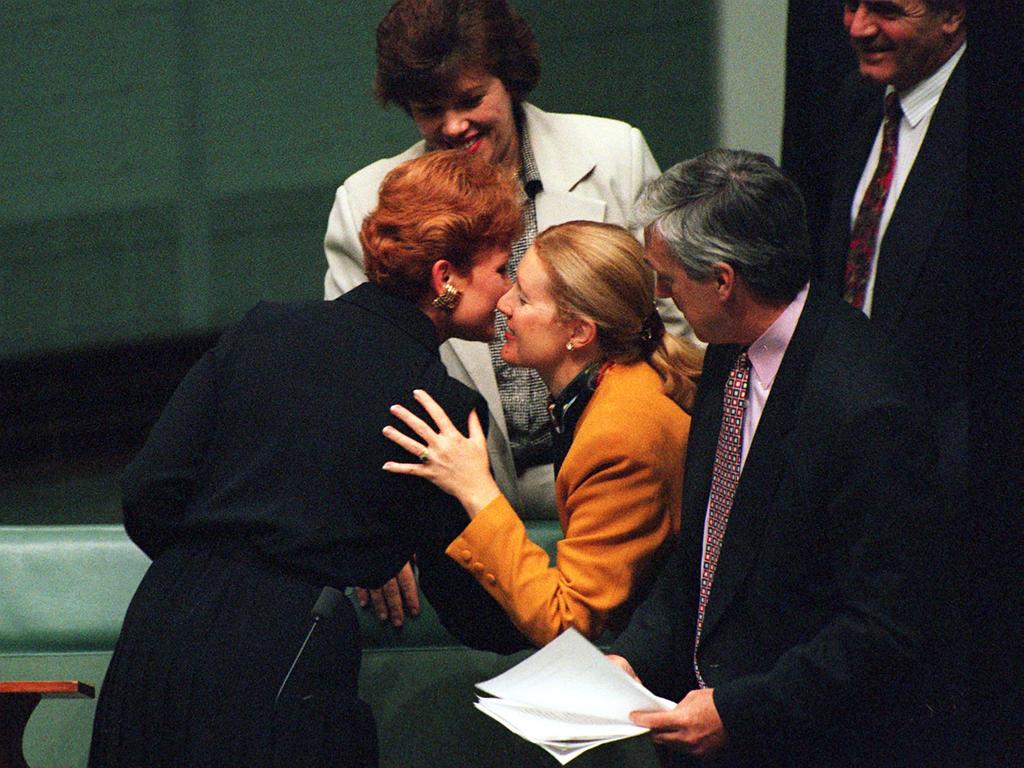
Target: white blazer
[(592, 168)]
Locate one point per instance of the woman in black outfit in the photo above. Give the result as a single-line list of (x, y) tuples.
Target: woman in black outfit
[(261, 484)]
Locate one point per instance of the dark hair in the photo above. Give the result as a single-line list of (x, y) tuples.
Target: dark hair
[(444, 205), (736, 207), (423, 46), (937, 6)]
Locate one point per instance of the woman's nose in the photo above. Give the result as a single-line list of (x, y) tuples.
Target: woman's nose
[(455, 123), (505, 303)]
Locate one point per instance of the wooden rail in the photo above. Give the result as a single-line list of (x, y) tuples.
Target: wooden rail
[(18, 699)]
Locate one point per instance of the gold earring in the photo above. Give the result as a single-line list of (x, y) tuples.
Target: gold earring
[(447, 299), (570, 346)]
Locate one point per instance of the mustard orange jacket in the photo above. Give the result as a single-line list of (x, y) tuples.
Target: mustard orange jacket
[(619, 496)]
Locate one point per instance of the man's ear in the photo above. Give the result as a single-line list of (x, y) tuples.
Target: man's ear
[(953, 20), (725, 279)]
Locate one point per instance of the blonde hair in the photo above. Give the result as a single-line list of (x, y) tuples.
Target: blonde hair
[(597, 271)]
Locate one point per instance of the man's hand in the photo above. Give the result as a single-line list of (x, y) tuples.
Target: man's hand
[(622, 664), (397, 596), (693, 726)]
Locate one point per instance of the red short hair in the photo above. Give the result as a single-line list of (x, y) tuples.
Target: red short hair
[(444, 205)]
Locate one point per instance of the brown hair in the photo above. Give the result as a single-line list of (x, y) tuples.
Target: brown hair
[(598, 271), (423, 46), (444, 205)]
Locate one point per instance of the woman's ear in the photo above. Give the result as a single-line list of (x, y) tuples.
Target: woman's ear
[(584, 333), (440, 273)]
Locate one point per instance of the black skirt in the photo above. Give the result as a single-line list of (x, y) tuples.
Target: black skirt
[(206, 643)]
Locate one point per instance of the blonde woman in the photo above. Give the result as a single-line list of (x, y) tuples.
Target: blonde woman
[(582, 314)]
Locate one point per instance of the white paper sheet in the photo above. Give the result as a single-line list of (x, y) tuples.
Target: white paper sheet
[(567, 698)]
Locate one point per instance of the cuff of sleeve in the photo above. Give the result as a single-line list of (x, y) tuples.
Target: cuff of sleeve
[(744, 709), (482, 531)]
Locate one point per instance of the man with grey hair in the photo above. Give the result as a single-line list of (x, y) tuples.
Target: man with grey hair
[(786, 624)]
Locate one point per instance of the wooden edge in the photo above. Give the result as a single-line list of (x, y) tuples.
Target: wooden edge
[(67, 689)]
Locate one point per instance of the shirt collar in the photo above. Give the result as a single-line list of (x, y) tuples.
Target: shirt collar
[(922, 98), (768, 349), (576, 391)]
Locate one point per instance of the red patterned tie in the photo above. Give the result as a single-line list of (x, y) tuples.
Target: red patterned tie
[(864, 235), (725, 475)]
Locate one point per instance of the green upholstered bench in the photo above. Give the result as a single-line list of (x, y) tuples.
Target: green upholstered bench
[(63, 593)]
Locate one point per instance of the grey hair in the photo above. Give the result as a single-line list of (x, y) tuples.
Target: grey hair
[(732, 206)]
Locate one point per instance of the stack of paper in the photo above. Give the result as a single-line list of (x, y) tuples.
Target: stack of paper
[(567, 698)]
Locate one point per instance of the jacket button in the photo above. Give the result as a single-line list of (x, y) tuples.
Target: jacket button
[(466, 555), (492, 579)]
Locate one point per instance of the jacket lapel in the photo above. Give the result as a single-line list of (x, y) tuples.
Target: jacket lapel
[(560, 173), (707, 418), (700, 452), (765, 464)]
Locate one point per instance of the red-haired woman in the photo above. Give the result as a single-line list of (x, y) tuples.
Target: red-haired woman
[(261, 484)]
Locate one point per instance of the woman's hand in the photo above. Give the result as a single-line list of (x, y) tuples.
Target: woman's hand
[(455, 463)]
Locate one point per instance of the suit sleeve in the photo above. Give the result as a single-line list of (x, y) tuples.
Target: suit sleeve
[(622, 499), (884, 531), (341, 246), (158, 485)]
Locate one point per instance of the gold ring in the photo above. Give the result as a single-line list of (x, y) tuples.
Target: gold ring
[(424, 457)]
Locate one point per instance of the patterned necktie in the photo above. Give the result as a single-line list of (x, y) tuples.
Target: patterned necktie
[(864, 235), (725, 476)]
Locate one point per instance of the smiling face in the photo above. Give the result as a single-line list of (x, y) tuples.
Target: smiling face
[(476, 115), (536, 335), (901, 42)]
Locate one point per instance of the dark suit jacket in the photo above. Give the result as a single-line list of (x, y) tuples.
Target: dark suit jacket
[(811, 625), (925, 307), (923, 296), (272, 446)]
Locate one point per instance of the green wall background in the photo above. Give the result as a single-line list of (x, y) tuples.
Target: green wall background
[(167, 164)]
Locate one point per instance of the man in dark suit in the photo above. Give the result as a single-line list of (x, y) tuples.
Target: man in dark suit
[(895, 242), (897, 246), (787, 622)]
